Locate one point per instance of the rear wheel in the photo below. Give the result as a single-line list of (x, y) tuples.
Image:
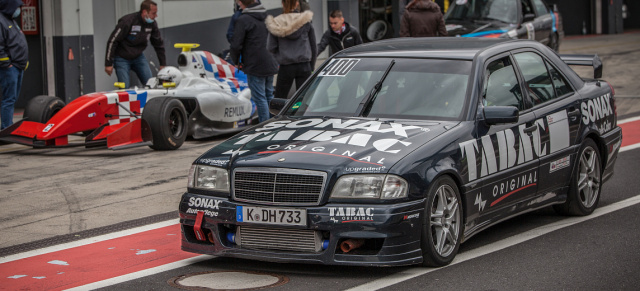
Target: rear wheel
[(584, 191), (167, 118), (41, 108), (442, 223)]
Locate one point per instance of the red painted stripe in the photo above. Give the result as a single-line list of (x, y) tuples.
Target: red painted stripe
[(630, 133), (510, 193), (95, 262)]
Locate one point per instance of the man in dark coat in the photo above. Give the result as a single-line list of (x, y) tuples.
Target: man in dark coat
[(249, 52), (14, 58), (340, 35), (128, 41), (422, 18)]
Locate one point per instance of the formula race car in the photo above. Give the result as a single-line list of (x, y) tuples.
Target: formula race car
[(397, 151), (528, 19), (203, 97)]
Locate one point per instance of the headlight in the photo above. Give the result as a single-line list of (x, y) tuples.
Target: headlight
[(378, 186), (210, 178)]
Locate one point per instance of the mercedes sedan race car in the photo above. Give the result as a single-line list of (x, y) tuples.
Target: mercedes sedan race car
[(395, 152), (524, 19), (204, 97)]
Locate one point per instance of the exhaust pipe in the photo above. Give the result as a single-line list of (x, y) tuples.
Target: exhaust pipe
[(351, 244)]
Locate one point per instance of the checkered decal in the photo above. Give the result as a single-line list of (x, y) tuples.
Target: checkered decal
[(127, 99), (223, 72)]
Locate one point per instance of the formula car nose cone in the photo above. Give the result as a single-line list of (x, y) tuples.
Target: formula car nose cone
[(228, 280)]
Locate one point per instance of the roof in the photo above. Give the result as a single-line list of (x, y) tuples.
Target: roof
[(439, 47)]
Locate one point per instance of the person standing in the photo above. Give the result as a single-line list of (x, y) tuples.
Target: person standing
[(128, 41), (14, 58), (340, 36), (249, 52), (422, 18), (292, 41)]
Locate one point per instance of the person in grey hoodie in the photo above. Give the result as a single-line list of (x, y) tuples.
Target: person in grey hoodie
[(14, 58), (249, 52), (293, 43)]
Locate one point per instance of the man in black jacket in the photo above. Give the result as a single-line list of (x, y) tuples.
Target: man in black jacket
[(14, 58), (249, 52), (340, 36), (129, 40)]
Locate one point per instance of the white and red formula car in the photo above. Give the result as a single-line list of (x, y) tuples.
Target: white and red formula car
[(205, 96)]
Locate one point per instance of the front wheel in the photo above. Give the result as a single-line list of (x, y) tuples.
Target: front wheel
[(442, 223), (41, 108), (586, 182), (167, 119)]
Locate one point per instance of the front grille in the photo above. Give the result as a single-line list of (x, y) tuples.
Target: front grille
[(294, 240), (278, 186)]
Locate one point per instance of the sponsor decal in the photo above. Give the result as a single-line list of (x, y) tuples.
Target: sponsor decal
[(480, 202), (350, 214), (559, 164), (207, 212), (415, 215), (93, 114), (596, 109), (213, 162), (365, 169), (234, 111), (48, 127), (204, 203), (513, 185), (604, 127), (338, 68), (515, 146), (531, 30)]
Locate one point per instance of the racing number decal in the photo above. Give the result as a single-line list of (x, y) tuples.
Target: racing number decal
[(338, 68)]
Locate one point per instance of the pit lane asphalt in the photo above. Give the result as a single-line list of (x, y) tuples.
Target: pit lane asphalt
[(58, 195)]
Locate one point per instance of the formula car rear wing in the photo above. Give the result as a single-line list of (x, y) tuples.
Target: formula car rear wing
[(585, 60)]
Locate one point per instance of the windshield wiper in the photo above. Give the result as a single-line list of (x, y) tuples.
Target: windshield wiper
[(365, 104)]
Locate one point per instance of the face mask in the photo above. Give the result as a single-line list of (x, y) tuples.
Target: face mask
[(16, 13), (148, 20)]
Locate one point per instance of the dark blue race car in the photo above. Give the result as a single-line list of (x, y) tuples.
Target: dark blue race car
[(395, 152), (523, 19)]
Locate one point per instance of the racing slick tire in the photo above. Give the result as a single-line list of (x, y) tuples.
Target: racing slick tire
[(167, 118), (586, 182), (442, 223), (41, 108)]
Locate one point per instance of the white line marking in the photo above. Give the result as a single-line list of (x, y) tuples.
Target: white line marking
[(632, 119), (89, 240), (497, 246), (143, 273), (629, 147)]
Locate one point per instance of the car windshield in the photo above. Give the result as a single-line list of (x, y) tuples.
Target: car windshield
[(431, 89), (483, 10)]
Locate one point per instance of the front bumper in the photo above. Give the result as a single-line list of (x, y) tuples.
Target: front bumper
[(391, 233)]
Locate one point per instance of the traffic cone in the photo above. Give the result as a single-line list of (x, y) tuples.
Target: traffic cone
[(70, 56)]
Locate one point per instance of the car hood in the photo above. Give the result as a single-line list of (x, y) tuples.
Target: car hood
[(350, 145), (477, 29)]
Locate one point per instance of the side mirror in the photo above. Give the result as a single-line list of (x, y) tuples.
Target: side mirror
[(276, 105), (528, 17), (500, 114)]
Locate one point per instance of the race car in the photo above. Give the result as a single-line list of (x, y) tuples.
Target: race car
[(395, 152), (528, 19), (203, 97)]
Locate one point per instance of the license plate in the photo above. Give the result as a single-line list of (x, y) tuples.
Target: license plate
[(269, 215)]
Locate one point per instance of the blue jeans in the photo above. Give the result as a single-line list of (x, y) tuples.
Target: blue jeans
[(261, 94), (10, 82), (139, 65)]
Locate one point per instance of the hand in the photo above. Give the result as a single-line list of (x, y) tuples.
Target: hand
[(109, 70)]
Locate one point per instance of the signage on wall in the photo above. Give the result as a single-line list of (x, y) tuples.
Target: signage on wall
[(29, 17)]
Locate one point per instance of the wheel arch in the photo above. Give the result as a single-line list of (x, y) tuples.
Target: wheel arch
[(451, 173)]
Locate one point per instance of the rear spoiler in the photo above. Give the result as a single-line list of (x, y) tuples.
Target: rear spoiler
[(585, 60)]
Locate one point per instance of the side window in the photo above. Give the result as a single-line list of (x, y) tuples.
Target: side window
[(536, 77), (559, 82), (526, 7), (501, 85), (540, 7)]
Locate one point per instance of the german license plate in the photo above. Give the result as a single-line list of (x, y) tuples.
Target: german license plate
[(270, 215)]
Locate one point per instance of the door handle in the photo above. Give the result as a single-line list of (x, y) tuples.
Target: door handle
[(531, 129), (573, 113)]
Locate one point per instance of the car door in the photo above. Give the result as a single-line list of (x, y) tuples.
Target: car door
[(543, 22), (505, 162), (556, 107)]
